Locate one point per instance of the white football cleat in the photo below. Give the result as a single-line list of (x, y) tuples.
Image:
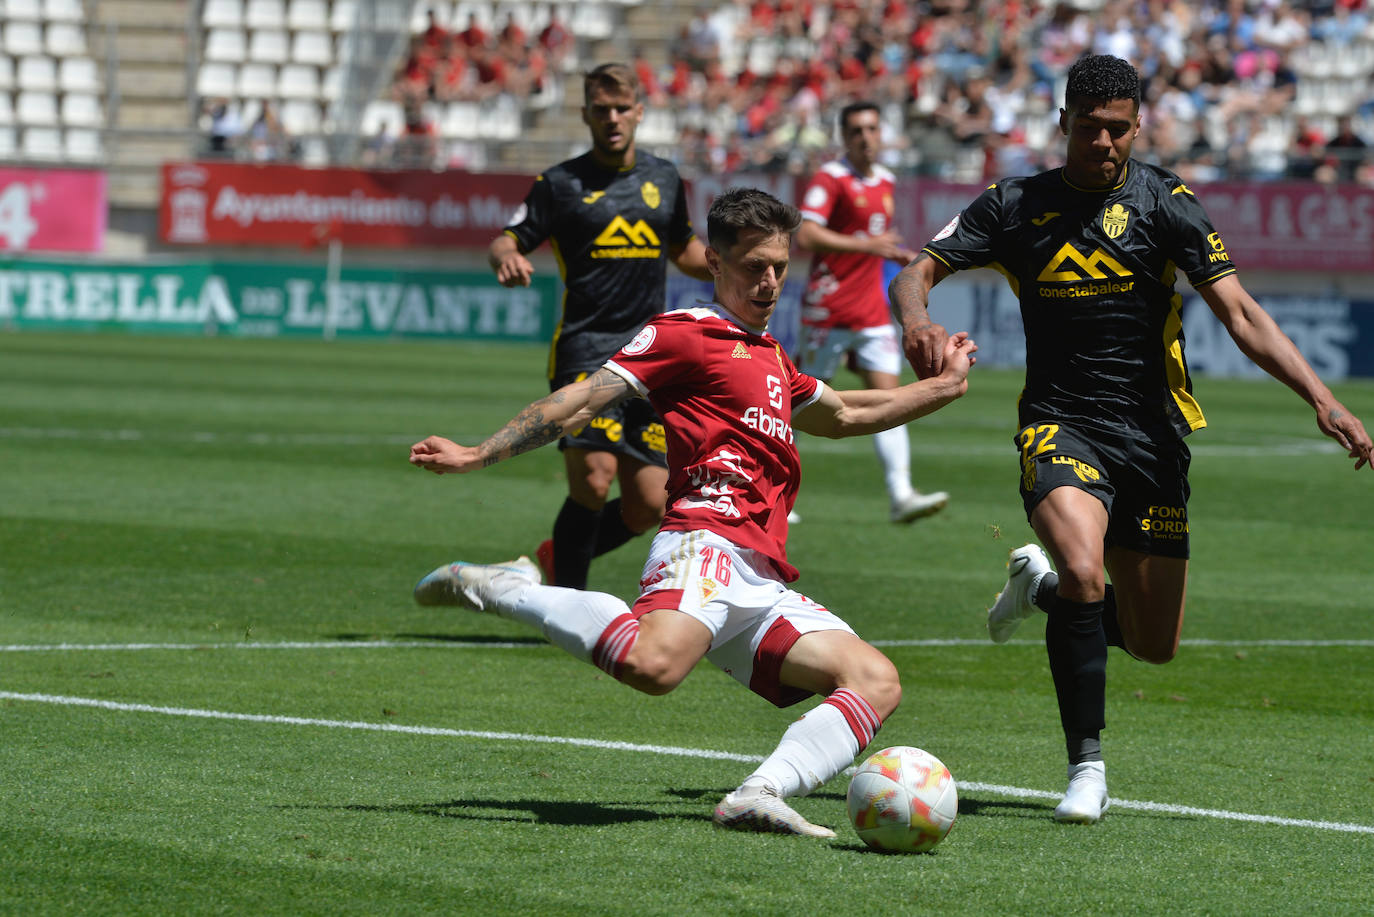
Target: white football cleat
[(1027, 565), (476, 586), (1086, 798), (918, 505), (793, 517), (764, 811)]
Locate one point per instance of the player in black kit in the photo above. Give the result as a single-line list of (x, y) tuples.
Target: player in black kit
[(1092, 251), (615, 217)]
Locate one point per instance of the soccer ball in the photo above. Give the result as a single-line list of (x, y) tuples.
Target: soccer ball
[(902, 800)]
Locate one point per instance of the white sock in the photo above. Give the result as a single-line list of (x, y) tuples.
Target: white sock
[(592, 626), (818, 746), (894, 452)]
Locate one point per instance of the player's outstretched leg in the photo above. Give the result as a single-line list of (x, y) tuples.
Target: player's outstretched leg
[(1086, 798), (1027, 566), (591, 626), (813, 749)]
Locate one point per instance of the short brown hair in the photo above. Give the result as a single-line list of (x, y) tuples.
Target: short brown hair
[(736, 210), (612, 78)]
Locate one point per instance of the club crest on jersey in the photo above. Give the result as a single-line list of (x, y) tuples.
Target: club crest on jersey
[(740, 353), (641, 342), (649, 191), (1114, 220), (948, 230), (708, 588)]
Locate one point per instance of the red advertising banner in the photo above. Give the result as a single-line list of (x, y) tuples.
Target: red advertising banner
[(215, 203), (55, 210), (1266, 226)]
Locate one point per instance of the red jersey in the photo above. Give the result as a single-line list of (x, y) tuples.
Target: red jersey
[(726, 394), (845, 289)]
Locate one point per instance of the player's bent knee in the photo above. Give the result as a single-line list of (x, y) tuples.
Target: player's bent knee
[(654, 673), (877, 682), (640, 517)]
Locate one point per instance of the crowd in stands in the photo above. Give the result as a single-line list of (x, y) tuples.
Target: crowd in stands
[(1242, 89)]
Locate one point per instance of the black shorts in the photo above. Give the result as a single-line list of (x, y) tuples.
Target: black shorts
[(1143, 485), (632, 429)]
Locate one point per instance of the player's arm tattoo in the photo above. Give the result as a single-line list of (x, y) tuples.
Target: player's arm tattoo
[(912, 296), (548, 418)]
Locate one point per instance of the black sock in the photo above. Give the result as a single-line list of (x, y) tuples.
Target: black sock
[(613, 532), (1045, 596), (574, 540), (1077, 649)]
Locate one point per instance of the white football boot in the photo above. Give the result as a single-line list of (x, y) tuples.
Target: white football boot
[(476, 586), (1086, 798), (918, 505), (764, 811), (1028, 566)]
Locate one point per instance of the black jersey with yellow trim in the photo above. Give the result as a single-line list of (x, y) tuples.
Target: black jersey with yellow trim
[(1094, 271), (611, 231)]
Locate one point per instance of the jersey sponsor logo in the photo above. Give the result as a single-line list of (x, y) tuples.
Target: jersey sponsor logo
[(1218, 248), (1086, 473), (767, 424), (609, 426), (1070, 266), (621, 239), (641, 342), (593, 197), (1114, 220), (655, 438), (1169, 522), (740, 353), (1045, 217), (649, 191)]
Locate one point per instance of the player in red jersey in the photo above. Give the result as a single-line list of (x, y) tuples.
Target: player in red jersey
[(847, 215), (714, 585)]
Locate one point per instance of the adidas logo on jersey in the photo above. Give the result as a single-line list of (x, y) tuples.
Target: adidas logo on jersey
[(739, 353)]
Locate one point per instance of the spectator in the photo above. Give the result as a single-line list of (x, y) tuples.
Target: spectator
[(1345, 151), (418, 145), (266, 138), (225, 127)]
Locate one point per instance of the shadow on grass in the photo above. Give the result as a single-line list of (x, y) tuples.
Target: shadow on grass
[(541, 811), (969, 805)]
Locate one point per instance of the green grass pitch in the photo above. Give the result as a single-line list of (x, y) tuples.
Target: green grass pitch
[(218, 696)]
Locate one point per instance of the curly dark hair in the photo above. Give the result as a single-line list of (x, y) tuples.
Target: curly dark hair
[(1100, 78), (736, 210)]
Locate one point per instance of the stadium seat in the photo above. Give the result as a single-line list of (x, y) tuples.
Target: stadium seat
[(268, 46), (592, 20), (6, 108), (65, 39), (78, 74), (226, 45), (23, 38), (222, 14), (299, 117), (381, 112), (314, 152), (342, 14), (39, 108), (6, 72), (37, 72), (331, 87), (80, 109), (81, 145), (298, 81), (460, 120), (217, 79), (257, 81), (312, 48), (307, 15), (265, 14), (9, 145), (41, 143), (28, 10), (63, 11)]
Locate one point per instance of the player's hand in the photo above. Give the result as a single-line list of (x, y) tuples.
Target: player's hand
[(1346, 429), (888, 245), (514, 270), (957, 356), (924, 346), (444, 456)]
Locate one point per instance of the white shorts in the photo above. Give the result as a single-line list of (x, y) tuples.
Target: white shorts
[(874, 349), (753, 617)]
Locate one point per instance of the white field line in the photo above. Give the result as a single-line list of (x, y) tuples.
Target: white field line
[(996, 789), (482, 644), (924, 445)]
